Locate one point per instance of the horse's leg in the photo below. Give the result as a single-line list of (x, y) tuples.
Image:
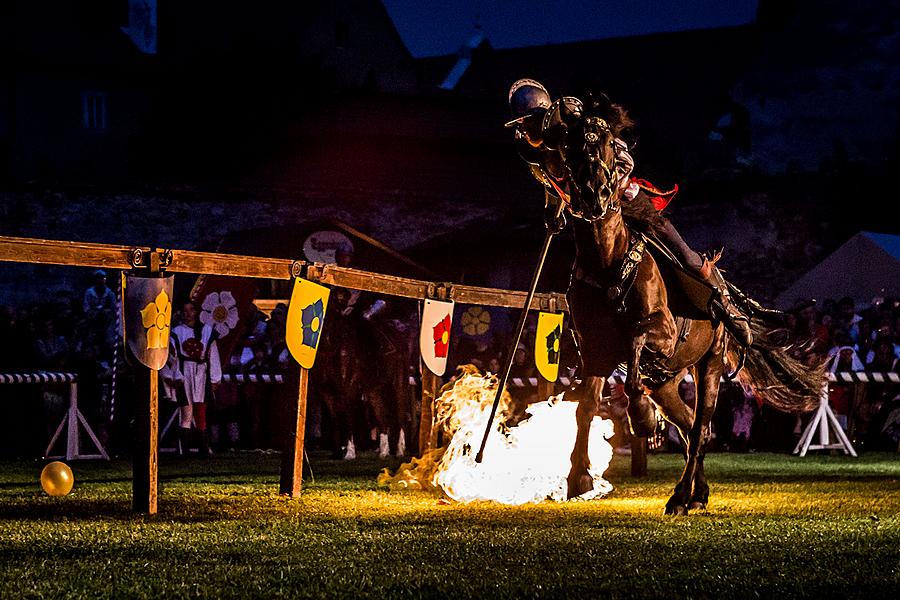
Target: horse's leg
[(338, 431), (589, 393), (376, 397), (657, 333), (711, 372), (692, 490), (402, 413), (674, 410)]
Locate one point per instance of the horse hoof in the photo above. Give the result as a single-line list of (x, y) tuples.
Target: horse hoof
[(697, 505), (579, 485), (677, 510)]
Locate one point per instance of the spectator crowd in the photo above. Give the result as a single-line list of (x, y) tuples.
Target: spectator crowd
[(79, 333)]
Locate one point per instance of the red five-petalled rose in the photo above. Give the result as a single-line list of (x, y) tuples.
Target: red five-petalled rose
[(442, 337)]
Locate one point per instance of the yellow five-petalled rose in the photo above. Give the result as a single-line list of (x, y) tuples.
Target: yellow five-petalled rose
[(156, 317)]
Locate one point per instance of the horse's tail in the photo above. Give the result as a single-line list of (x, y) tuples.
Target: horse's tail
[(781, 380)]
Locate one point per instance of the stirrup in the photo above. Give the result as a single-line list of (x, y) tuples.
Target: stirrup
[(738, 325), (754, 308)]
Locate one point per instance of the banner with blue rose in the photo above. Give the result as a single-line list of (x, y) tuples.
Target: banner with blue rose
[(305, 319)]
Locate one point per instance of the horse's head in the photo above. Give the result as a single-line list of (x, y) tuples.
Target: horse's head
[(585, 138)]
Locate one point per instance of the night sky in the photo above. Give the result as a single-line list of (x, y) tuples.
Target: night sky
[(433, 28)]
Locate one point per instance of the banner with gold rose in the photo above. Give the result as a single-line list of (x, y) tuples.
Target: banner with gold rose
[(147, 312), (434, 336), (305, 318), (547, 340)]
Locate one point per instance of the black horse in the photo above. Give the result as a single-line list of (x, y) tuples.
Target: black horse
[(362, 379), (630, 307)]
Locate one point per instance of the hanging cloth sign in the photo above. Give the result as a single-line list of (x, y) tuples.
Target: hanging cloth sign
[(305, 318), (434, 336), (147, 317), (547, 340)]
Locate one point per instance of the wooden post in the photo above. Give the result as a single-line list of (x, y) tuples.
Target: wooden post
[(145, 469), (545, 389), (638, 456), (431, 385), (292, 457)]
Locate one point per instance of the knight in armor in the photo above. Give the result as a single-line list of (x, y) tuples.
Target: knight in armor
[(642, 202)]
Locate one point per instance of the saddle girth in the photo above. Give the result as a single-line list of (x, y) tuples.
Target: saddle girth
[(617, 292)]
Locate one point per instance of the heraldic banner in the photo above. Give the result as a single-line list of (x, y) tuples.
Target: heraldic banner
[(547, 340), (223, 303), (306, 315), (147, 317), (434, 336)]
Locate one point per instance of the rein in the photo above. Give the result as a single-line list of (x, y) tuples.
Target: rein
[(593, 128)]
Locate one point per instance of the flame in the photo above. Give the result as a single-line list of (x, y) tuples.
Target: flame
[(522, 464)]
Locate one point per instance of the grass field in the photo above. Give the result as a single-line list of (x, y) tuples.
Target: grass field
[(777, 526)]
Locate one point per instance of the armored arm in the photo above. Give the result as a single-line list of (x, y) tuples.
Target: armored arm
[(554, 213)]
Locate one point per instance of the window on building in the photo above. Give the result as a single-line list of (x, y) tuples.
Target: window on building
[(341, 34), (93, 110)]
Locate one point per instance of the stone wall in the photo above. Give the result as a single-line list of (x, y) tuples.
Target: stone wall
[(192, 219)]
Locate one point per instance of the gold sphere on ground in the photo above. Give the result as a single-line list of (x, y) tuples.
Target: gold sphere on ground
[(57, 479)]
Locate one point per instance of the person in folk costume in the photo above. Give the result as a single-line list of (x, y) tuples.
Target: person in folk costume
[(641, 201), (196, 375)]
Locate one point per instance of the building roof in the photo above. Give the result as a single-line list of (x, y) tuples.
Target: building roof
[(865, 267)]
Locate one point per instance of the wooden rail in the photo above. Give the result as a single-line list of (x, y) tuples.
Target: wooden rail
[(81, 254), (155, 260)]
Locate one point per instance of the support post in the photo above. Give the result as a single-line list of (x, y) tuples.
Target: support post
[(545, 389), (292, 457), (431, 385), (638, 456), (145, 475)]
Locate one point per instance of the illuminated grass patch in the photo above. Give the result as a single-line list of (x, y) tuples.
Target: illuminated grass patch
[(777, 526)]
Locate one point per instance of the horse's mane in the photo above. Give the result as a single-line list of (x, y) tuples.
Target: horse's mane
[(615, 115), (641, 216)]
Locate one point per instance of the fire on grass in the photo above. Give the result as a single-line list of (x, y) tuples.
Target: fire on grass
[(525, 463)]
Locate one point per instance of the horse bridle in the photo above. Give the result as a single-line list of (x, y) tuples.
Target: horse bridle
[(594, 130)]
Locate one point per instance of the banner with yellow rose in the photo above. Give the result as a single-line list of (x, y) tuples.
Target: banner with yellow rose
[(147, 312)]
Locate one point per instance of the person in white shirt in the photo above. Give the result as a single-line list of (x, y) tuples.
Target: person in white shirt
[(197, 375)]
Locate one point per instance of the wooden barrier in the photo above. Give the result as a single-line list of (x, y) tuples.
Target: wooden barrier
[(154, 260), (147, 259)]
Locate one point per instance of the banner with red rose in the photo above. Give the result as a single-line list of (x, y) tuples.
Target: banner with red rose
[(434, 336)]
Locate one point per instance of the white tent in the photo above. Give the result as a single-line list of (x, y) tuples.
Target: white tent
[(866, 266)]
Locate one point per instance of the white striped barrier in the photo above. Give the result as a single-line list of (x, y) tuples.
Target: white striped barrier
[(38, 377), (253, 378), (841, 377), (70, 420)]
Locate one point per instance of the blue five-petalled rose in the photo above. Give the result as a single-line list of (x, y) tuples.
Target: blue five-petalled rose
[(311, 322)]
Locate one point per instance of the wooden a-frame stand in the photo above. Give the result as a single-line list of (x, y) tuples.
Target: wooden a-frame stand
[(71, 420), (822, 421)]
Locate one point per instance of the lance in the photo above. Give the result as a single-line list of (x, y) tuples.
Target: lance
[(501, 385)]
